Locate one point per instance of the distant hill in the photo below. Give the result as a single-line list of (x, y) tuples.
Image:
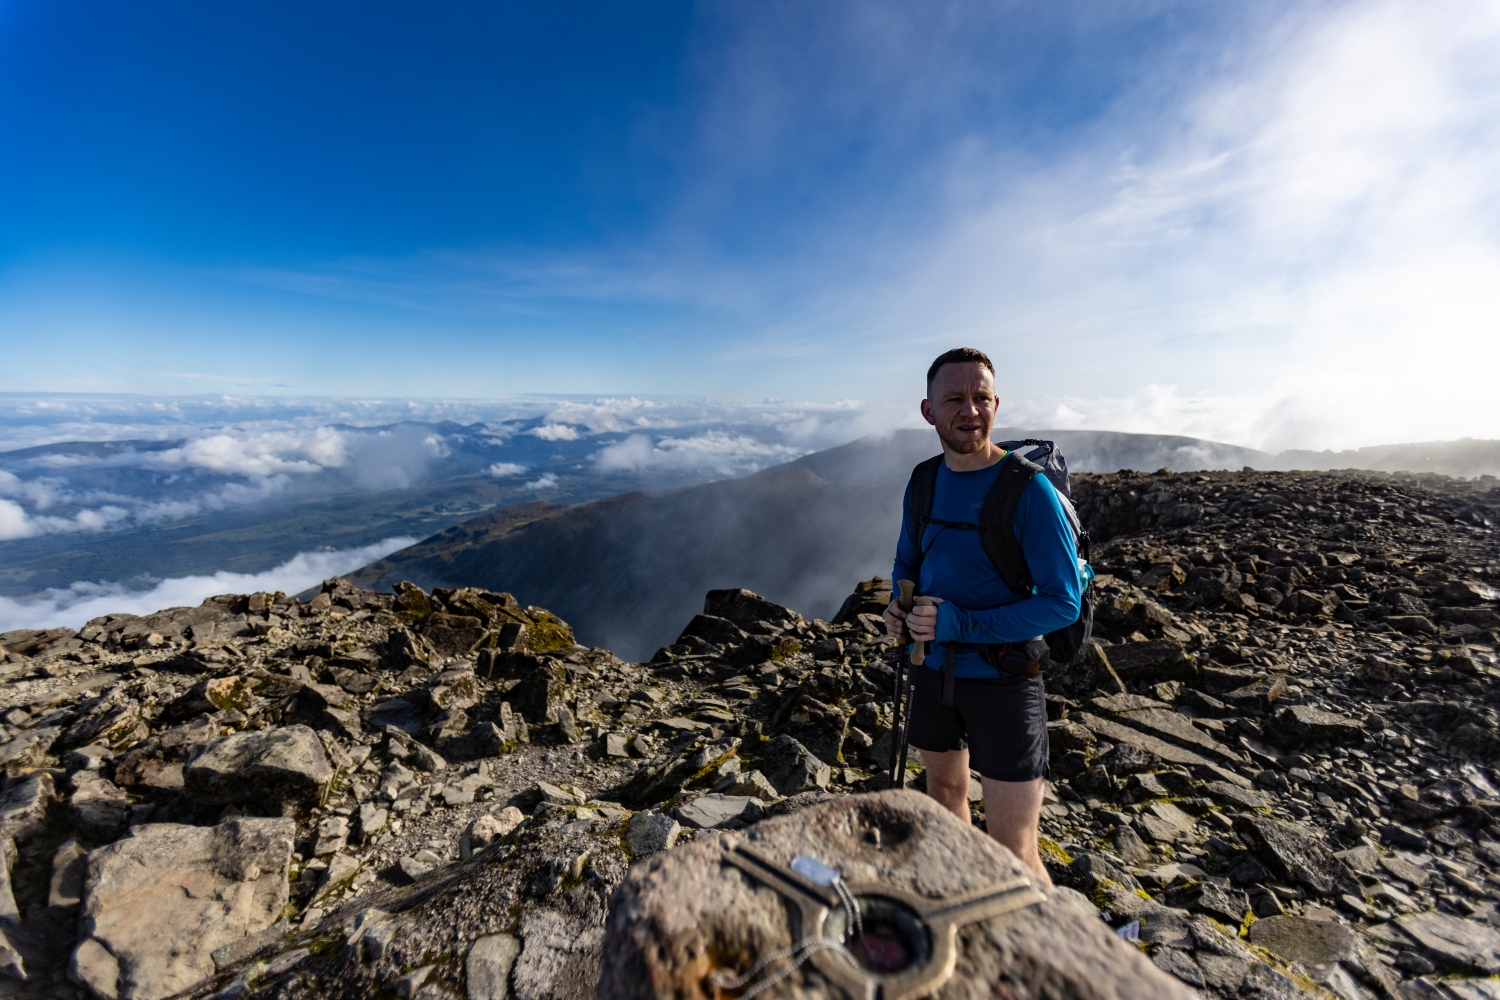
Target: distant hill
[(629, 570), (1467, 457)]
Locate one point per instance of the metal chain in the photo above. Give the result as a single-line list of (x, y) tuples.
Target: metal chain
[(803, 949)]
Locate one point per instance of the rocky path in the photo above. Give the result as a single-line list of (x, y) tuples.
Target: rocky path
[(1276, 767)]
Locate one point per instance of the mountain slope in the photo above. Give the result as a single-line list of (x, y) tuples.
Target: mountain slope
[(628, 571)]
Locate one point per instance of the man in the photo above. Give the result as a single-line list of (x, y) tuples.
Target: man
[(997, 719)]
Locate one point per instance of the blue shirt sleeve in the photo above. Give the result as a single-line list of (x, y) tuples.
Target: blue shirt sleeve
[(908, 546), (1046, 536)]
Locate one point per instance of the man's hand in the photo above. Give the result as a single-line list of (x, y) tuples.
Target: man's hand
[(920, 624), (895, 620)]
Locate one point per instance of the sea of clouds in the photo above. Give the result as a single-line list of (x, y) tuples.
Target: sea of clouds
[(72, 464), (72, 606)]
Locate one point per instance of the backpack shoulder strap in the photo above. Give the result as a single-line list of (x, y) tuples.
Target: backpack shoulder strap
[(997, 523), (919, 509)]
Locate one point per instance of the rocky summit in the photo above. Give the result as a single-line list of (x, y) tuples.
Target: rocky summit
[(1273, 775)]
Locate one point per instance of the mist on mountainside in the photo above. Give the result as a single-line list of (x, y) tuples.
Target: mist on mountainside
[(628, 571)]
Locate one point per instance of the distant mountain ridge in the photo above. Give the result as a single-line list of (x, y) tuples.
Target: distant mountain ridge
[(625, 570), (628, 570)]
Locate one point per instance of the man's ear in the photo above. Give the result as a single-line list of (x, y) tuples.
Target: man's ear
[(927, 412)]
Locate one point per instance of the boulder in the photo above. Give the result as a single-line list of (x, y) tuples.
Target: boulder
[(1293, 852), (1162, 660), (719, 631), (99, 809), (273, 769), (23, 809), (818, 727), (746, 609), (1299, 725), (708, 812), (487, 968), (703, 911), (158, 903), (1455, 943), (791, 768)]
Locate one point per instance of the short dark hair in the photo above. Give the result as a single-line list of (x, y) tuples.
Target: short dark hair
[(958, 356)]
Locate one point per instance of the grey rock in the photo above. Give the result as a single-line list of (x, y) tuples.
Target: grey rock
[(560, 957), (650, 832), (12, 962), (372, 820), (487, 967), (23, 809), (1224, 904), (271, 768), (336, 878), (708, 812), (99, 809), (818, 727), (484, 830), (333, 833), (70, 867), (409, 870), (1301, 725), (158, 903), (1294, 852), (1180, 964), (791, 768), (1453, 942)]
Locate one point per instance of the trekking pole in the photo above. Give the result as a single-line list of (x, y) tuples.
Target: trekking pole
[(901, 714)]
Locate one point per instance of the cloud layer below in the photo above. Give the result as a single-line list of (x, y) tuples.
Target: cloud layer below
[(83, 601)]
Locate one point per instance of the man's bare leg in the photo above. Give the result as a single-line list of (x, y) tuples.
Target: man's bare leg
[(1012, 812), (1012, 809), (948, 780)]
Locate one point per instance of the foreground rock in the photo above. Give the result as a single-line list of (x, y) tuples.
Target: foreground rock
[(694, 913), (158, 903)]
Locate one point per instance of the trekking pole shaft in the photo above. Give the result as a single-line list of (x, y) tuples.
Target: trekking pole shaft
[(898, 735), (905, 731), (905, 600)]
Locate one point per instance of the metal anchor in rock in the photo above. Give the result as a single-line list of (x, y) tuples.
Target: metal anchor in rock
[(873, 940)]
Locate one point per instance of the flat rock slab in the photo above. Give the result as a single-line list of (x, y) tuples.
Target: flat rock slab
[(1117, 732), (1294, 852), (158, 903), (1456, 943), (708, 812), (1299, 725), (271, 768), (1176, 728), (684, 915), (1311, 942)]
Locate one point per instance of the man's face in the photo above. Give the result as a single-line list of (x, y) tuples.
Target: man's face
[(961, 405)]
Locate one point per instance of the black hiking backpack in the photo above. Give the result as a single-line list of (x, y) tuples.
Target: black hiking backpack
[(997, 532)]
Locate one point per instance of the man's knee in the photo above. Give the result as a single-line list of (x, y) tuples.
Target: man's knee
[(947, 790)]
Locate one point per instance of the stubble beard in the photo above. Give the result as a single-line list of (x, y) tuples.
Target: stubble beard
[(963, 445)]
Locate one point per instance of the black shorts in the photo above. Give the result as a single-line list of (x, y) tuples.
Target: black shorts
[(1001, 721)]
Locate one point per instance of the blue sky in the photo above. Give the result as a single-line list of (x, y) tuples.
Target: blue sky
[(1276, 224)]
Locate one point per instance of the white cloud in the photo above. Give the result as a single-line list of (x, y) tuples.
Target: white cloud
[(546, 481), (72, 606), (555, 432), (256, 454), (1314, 232), (14, 523), (715, 452), (502, 469)]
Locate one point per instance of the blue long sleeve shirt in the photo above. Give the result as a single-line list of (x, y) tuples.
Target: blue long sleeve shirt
[(978, 606)]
